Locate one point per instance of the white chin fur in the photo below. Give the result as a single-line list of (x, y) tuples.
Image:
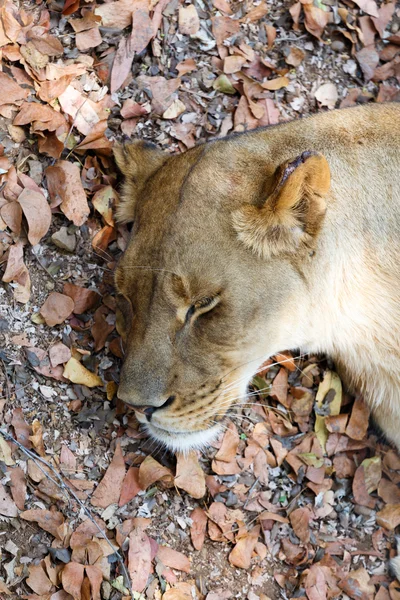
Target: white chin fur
[(185, 441)]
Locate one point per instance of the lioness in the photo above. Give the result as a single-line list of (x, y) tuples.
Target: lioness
[(283, 237)]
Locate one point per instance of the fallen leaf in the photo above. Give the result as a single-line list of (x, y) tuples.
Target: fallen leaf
[(82, 110), (72, 579), (389, 492), (17, 272), (77, 373), (48, 520), (11, 92), (256, 13), (295, 56), (38, 580), (271, 35), (37, 437), (198, 528), (161, 89), (185, 66), (315, 19), (59, 354), (95, 576), (189, 22), (83, 298), (65, 188), (230, 443), (389, 516), (368, 59), (151, 471), (8, 508), (330, 394), (224, 27), (174, 110), (105, 201), (241, 554), (300, 521), (359, 420), (315, 583), (368, 6), (327, 95), (102, 327), (109, 489), (130, 486), (56, 308), (41, 117), (18, 486), (139, 559), (357, 585), (189, 474), (116, 15), (21, 428), (174, 559), (47, 44), (88, 39), (385, 14)]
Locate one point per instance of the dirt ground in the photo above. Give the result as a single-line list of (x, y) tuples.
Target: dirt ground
[(279, 526)]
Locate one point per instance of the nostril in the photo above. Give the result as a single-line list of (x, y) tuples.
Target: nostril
[(149, 410)]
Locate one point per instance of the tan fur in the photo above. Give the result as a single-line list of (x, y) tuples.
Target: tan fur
[(285, 237)]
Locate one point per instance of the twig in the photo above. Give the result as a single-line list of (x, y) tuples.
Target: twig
[(68, 490), (8, 391)]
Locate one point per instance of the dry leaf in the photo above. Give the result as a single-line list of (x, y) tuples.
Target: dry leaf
[(82, 110), (18, 486), (243, 550), (315, 583), (189, 474), (37, 213), (116, 15), (223, 28), (368, 59), (315, 19), (105, 201), (38, 580), (300, 521), (189, 22), (368, 6), (109, 489), (59, 354), (359, 420), (173, 558), (130, 486), (95, 576), (37, 437), (198, 528), (151, 471), (16, 271), (295, 56), (139, 559), (48, 520), (389, 517), (77, 373), (65, 186), (11, 92), (8, 508), (357, 585), (56, 308), (21, 428), (161, 91), (83, 298), (72, 579)]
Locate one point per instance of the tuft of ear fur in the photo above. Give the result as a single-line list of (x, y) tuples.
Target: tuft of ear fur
[(137, 161), (292, 215)]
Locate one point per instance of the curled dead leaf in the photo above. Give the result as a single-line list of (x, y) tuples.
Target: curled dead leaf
[(57, 308)]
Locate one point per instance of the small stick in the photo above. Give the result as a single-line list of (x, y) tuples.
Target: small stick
[(68, 490)]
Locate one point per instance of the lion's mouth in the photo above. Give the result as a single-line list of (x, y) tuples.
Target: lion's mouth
[(179, 441)]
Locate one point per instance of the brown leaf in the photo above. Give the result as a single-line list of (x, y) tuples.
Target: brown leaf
[(65, 186), (21, 428), (85, 113), (189, 474), (151, 471), (185, 66), (385, 14), (18, 486), (72, 579), (41, 117), (173, 558), (243, 550), (368, 59), (59, 354), (300, 521), (109, 489), (134, 109), (139, 559), (88, 39), (389, 492), (67, 460), (38, 580), (229, 445), (295, 56), (48, 520), (130, 486), (161, 91), (389, 516), (47, 44), (37, 437), (116, 15), (57, 308), (198, 528), (357, 585), (8, 507), (11, 213), (83, 298), (16, 271), (224, 27), (50, 90), (315, 19), (37, 213), (101, 328), (105, 201), (256, 13), (358, 423), (315, 583), (368, 6), (11, 92), (368, 30), (189, 22), (365, 478), (327, 95), (95, 576), (271, 35), (103, 238)]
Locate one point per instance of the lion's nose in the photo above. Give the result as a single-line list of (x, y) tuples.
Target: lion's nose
[(148, 411)]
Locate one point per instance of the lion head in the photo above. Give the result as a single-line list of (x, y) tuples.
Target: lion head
[(208, 286)]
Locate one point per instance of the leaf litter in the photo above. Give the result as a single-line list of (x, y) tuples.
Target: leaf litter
[(297, 498)]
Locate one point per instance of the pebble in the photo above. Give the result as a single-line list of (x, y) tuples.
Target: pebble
[(338, 46), (363, 510), (64, 240)]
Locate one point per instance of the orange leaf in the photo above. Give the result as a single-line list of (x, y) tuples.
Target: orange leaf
[(109, 489), (139, 559), (189, 475), (57, 308), (37, 212), (72, 579)]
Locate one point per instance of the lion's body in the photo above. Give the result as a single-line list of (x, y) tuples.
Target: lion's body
[(320, 272)]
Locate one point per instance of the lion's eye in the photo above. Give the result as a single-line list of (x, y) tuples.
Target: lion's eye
[(202, 306)]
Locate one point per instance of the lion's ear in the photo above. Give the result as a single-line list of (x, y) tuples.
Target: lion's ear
[(137, 162), (292, 214)]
